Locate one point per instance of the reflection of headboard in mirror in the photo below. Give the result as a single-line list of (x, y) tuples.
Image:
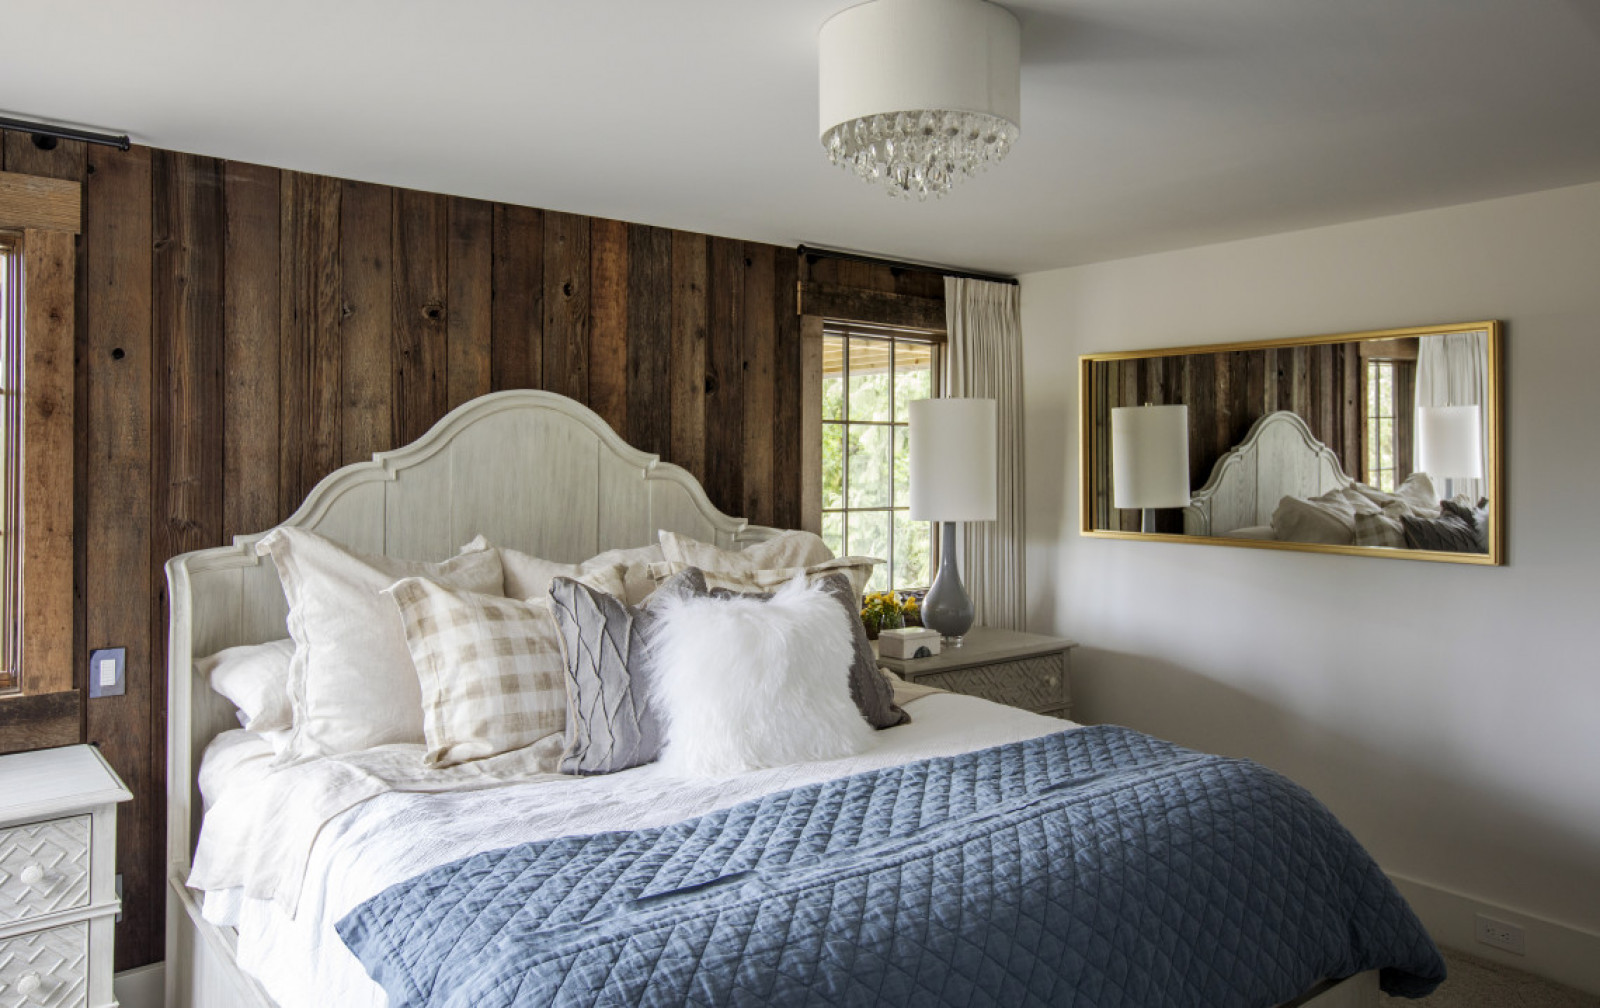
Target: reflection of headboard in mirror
[(1295, 418)]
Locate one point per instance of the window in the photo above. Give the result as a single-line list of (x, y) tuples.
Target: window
[(10, 459), (870, 375), (1380, 424)]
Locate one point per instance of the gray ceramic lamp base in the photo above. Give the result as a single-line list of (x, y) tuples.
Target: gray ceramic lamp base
[(947, 608)]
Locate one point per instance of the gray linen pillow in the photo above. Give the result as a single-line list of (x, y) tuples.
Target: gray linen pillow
[(604, 646), (873, 694)]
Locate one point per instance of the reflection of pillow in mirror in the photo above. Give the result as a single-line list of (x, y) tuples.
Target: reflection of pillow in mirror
[(1415, 496), (1450, 533), (1380, 528), (1250, 532), (1328, 518)]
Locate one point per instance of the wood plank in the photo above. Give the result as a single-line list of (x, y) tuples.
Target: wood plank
[(310, 440), (186, 465), (609, 305), (688, 368), (850, 304), (566, 305), (649, 423), (810, 424), (724, 482), (49, 262), (760, 399), (420, 253), (251, 305), (40, 721), (46, 204), (68, 159), (790, 390), (366, 320), (516, 351), (470, 296), (119, 606)]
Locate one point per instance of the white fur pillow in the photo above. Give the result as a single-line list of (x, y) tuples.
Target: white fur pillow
[(744, 683)]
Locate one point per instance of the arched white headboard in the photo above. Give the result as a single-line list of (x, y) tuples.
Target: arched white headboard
[(531, 470), (1278, 458)]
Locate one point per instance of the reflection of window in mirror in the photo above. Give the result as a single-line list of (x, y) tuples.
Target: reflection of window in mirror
[(1388, 395)]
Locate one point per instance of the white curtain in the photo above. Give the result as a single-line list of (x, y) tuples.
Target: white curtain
[(1453, 370), (983, 359)]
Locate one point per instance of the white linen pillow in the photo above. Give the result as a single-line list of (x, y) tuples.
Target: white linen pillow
[(352, 685), (255, 679), (1326, 518), (857, 568), (794, 548), (529, 576), (490, 669), (743, 683)]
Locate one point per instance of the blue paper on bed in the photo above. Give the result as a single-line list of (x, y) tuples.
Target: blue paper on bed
[(1092, 867)]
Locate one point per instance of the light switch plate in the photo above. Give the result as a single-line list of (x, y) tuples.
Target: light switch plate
[(108, 672)]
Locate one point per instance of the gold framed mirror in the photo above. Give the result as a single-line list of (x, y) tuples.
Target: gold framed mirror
[(1385, 443)]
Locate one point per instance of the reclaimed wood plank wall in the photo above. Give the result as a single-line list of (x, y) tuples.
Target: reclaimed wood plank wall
[(1227, 392), (242, 331)]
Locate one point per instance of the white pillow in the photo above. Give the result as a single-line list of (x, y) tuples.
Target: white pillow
[(744, 684), (352, 685), (793, 548), (529, 577), (255, 679)]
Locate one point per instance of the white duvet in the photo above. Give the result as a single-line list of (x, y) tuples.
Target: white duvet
[(370, 832)]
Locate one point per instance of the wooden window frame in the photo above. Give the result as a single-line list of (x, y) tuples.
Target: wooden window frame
[(45, 707)]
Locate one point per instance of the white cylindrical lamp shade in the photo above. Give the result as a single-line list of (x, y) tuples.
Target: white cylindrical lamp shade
[(1450, 441), (953, 460), (909, 55), (1150, 457)]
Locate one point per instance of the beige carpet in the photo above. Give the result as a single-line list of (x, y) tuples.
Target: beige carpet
[(1477, 983)]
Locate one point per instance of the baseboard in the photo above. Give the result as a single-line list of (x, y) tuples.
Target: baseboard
[(1560, 952), (141, 987)]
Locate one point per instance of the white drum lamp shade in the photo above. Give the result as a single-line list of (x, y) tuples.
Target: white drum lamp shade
[(1150, 457), (916, 94), (953, 468), (1450, 441)]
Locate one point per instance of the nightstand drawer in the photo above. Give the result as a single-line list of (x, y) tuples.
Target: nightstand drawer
[(44, 868), (1038, 683), (47, 968)]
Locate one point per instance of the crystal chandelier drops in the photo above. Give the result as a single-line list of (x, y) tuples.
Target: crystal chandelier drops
[(919, 153)]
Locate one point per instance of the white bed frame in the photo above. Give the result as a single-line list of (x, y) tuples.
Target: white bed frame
[(530, 470), (1279, 457)]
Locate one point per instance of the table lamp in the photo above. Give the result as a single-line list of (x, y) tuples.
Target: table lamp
[(1149, 459), (953, 479), (1450, 443)]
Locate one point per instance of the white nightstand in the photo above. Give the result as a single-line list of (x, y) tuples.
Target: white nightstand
[(1006, 666), (58, 898)]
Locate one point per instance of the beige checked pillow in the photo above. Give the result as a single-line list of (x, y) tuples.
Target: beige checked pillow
[(490, 668)]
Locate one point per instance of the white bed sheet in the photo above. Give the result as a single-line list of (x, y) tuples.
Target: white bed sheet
[(388, 838)]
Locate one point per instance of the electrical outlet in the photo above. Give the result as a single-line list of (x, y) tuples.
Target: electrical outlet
[(1501, 935), (107, 672)]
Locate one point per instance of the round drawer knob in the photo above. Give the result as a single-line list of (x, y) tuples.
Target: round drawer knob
[(29, 984), (1053, 681), (31, 876)]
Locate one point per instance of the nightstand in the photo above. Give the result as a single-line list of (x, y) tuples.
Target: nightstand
[(1006, 666), (58, 896)]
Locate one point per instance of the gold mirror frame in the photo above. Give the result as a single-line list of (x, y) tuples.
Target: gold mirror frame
[(1171, 383)]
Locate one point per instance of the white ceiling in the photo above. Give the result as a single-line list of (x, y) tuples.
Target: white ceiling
[(1147, 124)]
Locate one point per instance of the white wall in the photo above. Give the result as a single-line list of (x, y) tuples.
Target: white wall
[(1449, 714)]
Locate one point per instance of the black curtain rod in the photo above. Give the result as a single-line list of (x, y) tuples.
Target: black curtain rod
[(812, 254), (45, 135)]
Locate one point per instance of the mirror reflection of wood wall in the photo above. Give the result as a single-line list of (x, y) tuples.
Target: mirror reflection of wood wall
[(1357, 396)]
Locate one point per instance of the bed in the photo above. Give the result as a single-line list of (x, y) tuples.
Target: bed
[(540, 473)]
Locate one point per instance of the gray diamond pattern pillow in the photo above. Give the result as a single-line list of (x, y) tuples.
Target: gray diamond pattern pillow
[(604, 645)]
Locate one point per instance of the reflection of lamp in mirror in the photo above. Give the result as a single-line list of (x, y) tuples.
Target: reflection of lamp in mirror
[(1150, 459), (953, 479), (1450, 443)]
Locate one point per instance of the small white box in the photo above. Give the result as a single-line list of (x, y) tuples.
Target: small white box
[(911, 642)]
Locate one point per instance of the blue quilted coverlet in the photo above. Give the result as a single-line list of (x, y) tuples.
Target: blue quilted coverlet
[(1093, 867)]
